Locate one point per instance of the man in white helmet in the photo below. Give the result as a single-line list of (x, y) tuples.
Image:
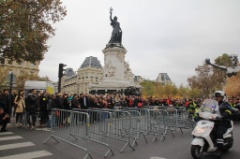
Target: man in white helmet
[(222, 125)]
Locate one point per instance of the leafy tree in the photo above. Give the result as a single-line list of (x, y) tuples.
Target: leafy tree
[(203, 80), (195, 93), (151, 88), (159, 90), (174, 90), (170, 90), (183, 91), (219, 75), (147, 88), (26, 25)]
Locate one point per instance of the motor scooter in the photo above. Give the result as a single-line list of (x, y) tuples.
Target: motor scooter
[(204, 134)]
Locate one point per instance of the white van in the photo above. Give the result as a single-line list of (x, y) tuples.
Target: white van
[(39, 86)]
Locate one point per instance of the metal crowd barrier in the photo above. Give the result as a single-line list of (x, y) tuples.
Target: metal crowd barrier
[(165, 118), (147, 122), (98, 127), (185, 119), (66, 124), (120, 127), (108, 124), (133, 124), (139, 123), (125, 124), (178, 118)]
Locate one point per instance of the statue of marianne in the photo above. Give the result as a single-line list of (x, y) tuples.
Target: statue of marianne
[(117, 31)]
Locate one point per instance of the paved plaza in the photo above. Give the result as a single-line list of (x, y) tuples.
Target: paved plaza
[(21, 143)]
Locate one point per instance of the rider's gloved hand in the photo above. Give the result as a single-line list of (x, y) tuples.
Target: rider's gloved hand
[(218, 118), (225, 115)]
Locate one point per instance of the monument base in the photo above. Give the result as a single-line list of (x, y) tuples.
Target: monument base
[(117, 75), (112, 86), (111, 45)]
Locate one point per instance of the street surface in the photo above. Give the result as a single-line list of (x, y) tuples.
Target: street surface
[(20, 143)]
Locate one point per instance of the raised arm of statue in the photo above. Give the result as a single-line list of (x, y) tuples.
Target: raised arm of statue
[(111, 19), (224, 68)]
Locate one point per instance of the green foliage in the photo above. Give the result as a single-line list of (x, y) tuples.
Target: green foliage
[(203, 80), (219, 75), (25, 27), (151, 88), (183, 91), (147, 88), (170, 90), (223, 60), (195, 93)]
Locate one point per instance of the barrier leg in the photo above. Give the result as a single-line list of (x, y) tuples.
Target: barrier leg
[(50, 138)]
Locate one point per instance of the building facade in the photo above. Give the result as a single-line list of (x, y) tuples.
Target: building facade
[(21, 68), (90, 72)]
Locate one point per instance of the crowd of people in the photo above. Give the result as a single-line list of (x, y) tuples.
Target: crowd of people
[(39, 104)]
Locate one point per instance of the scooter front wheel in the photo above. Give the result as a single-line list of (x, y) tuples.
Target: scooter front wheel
[(196, 151)]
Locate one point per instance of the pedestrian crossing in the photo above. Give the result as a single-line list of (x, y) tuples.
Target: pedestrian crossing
[(28, 155), (9, 142)]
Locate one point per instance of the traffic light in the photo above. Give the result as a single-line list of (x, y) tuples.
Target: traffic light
[(61, 70)]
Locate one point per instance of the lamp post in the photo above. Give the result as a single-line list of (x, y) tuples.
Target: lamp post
[(11, 79), (2, 59)]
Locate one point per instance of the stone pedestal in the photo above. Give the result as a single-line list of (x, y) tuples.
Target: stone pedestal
[(117, 73)]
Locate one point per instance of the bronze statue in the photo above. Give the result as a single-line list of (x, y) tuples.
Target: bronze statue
[(229, 71), (117, 31)]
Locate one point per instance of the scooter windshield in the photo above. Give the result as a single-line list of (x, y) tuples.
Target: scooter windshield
[(210, 106)]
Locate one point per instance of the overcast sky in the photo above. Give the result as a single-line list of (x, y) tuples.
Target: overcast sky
[(172, 36)]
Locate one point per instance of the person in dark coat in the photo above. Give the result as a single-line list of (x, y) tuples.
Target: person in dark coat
[(32, 108), (66, 102), (59, 105), (84, 102), (51, 105), (4, 117), (43, 102), (59, 101), (75, 102), (5, 104)]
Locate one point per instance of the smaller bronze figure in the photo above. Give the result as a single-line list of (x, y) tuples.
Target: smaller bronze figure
[(117, 31), (230, 71)]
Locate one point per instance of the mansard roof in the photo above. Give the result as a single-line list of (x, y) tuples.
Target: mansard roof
[(91, 62), (163, 77)]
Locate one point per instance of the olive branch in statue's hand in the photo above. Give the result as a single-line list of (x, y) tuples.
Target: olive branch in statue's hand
[(111, 9)]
